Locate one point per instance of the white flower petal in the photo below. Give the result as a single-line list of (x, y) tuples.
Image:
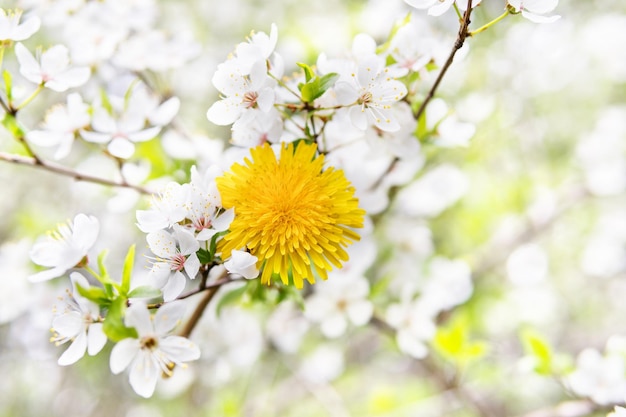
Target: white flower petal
[(174, 287), (48, 274), (29, 67), (151, 221), (334, 326), (186, 241), (192, 265), (360, 312), (26, 29), (224, 112), (145, 134), (95, 137), (411, 345), (121, 148), (73, 77), (144, 374), (162, 244), (168, 317), (86, 229), (358, 117), (122, 354), (138, 316), (75, 351), (536, 18), (179, 349), (165, 113), (222, 222), (159, 274), (68, 324), (242, 263), (96, 339)]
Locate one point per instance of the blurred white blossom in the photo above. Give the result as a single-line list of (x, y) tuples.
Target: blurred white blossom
[(11, 29), (52, 68), (65, 247)]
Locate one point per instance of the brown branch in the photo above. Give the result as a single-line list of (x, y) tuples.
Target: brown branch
[(37, 162), (211, 290), (458, 44), (198, 312)]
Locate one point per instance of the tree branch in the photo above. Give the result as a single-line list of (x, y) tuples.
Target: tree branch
[(458, 44), (37, 162), (211, 290)]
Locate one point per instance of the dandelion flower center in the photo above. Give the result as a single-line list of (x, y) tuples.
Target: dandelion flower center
[(291, 213)]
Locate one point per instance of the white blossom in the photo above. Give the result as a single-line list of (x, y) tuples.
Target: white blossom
[(242, 263), (64, 248), (168, 208), (241, 92), (601, 378), (371, 91), (536, 10), (175, 252), (11, 29), (414, 326), (338, 300), (203, 205), (439, 7), (154, 352), (52, 69), (80, 323), (61, 125), (120, 134)]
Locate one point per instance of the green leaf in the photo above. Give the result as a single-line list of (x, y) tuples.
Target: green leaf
[(95, 294), (231, 298), (454, 343), (144, 291), (308, 72), (127, 270), (213, 244), (10, 123), (204, 256), (105, 102), (8, 84), (317, 86), (104, 277), (539, 349), (114, 326), (327, 81)]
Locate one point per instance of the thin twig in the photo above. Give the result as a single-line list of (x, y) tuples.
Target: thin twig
[(68, 172), (458, 44)]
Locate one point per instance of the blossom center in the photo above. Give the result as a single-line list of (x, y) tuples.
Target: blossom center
[(366, 99), (249, 99), (148, 343), (177, 262)]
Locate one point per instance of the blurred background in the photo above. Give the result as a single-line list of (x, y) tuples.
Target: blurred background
[(534, 204)]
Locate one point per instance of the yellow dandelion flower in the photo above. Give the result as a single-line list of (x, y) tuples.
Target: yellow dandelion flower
[(291, 213)]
